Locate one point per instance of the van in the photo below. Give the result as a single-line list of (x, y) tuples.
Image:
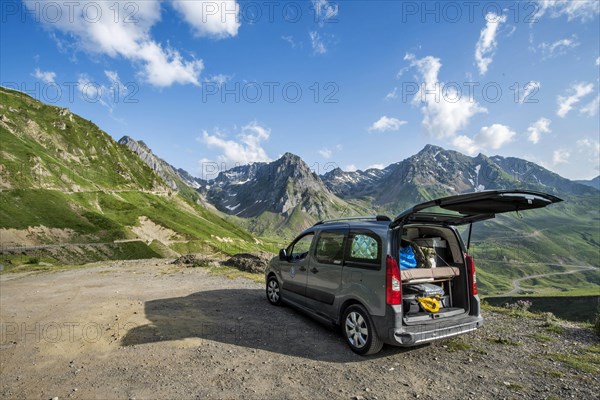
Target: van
[(347, 272)]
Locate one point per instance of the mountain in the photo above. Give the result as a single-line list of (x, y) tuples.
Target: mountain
[(282, 196), (65, 181), (595, 183), (177, 179), (435, 172)]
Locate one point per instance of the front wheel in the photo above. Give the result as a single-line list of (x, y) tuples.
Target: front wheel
[(359, 332), (273, 291)]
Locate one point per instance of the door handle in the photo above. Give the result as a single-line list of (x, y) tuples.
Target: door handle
[(314, 270)]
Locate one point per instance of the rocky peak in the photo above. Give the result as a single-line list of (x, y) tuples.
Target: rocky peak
[(172, 177)]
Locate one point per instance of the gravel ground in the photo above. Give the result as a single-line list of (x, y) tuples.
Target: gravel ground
[(150, 329)]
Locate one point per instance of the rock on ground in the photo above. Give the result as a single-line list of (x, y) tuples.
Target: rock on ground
[(250, 262)]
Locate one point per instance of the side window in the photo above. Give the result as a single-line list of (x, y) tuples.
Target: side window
[(330, 248), (300, 248), (364, 248)]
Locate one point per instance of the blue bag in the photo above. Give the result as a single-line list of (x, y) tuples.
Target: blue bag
[(407, 258)]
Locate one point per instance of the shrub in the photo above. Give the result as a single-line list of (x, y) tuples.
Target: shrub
[(520, 305)]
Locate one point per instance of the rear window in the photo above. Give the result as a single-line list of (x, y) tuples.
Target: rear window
[(364, 248)]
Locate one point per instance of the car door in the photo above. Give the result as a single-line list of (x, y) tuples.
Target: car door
[(294, 270), (325, 272), (473, 207)]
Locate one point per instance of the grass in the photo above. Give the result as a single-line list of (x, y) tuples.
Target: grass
[(572, 308), (515, 313), (233, 273), (504, 341), (555, 374), (554, 328), (541, 338), (75, 255), (588, 360), (457, 344)]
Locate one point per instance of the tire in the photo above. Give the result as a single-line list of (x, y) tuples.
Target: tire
[(273, 291), (359, 331)]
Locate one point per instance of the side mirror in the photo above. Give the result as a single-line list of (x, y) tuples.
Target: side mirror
[(283, 255)]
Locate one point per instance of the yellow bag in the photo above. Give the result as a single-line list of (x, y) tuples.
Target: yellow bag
[(429, 304)]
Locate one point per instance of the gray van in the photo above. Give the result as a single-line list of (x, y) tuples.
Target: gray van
[(346, 271)]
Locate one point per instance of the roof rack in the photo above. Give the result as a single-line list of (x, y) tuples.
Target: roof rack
[(367, 217)]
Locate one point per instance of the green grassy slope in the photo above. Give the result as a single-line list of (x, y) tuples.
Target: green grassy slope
[(537, 242), (61, 171)]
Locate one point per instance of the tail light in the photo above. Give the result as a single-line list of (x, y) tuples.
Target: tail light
[(393, 287), (472, 275)]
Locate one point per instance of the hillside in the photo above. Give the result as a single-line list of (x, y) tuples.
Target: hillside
[(175, 179), (595, 183), (65, 181)]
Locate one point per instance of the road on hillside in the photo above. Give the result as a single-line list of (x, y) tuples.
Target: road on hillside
[(517, 282)]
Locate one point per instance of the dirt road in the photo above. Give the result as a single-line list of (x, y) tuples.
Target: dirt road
[(517, 282), (146, 329)]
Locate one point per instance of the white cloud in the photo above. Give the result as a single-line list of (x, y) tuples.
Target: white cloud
[(392, 95), (536, 129), (560, 156), (317, 43), (290, 40), (597, 61), (95, 92), (590, 149), (325, 153), (219, 79), (376, 166), (45, 76), (385, 124), (591, 108), (566, 103), (324, 11), (115, 82), (217, 19), (528, 91), (559, 47), (465, 144), (495, 136), (95, 29), (486, 45), (593, 146), (443, 115), (584, 10), (489, 137), (350, 168), (247, 149)]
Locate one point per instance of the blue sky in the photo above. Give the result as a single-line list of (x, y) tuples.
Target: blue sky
[(354, 83)]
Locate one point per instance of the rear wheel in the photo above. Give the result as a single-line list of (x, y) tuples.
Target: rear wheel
[(359, 331), (273, 291)]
